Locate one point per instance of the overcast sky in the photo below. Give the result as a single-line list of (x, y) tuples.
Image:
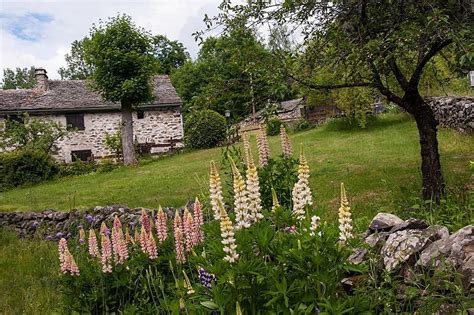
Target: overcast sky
[(39, 32)]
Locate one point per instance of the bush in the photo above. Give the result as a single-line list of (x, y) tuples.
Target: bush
[(302, 125), (204, 129), (23, 167), (273, 126)]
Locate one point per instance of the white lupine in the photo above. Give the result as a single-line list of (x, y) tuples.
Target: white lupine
[(314, 225), (215, 188), (286, 148), (253, 190), (345, 220), (301, 193), (227, 234), (241, 202)]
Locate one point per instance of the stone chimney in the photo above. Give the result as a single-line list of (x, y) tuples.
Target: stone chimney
[(41, 79)]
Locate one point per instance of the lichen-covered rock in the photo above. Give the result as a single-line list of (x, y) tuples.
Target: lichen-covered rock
[(384, 222), (410, 224), (402, 246), (456, 250)]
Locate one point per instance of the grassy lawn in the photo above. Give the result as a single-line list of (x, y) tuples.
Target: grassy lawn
[(379, 165)]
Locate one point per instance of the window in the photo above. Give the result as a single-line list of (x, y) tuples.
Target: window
[(140, 114), (81, 155), (75, 121)]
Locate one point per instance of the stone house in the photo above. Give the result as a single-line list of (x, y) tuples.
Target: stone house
[(157, 125)]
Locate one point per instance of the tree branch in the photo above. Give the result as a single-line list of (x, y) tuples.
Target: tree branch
[(398, 73), (330, 86), (436, 48), (392, 97)]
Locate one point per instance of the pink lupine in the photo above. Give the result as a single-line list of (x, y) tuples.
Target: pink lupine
[(93, 246), (145, 220), (106, 246), (160, 224), (188, 229), (62, 246), (118, 242), (198, 222), (151, 249), (143, 239), (179, 238), (72, 267)]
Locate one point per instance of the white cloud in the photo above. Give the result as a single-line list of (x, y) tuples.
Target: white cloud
[(44, 41)]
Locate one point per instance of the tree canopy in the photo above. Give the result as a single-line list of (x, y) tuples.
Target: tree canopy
[(170, 53), (20, 78), (77, 68)]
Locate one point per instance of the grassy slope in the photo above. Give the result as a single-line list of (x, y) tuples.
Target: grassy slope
[(374, 164)]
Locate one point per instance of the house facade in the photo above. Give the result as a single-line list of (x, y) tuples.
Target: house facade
[(157, 125)]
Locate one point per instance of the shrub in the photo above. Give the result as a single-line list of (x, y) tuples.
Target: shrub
[(113, 142), (273, 126), (78, 167), (23, 167), (204, 129), (302, 125)]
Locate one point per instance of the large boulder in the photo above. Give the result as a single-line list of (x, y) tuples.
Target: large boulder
[(456, 250), (384, 222), (402, 247)]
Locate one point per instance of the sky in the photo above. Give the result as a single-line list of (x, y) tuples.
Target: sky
[(39, 32)]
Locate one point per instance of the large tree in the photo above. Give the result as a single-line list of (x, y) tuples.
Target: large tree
[(170, 53), (77, 68), (385, 45), (20, 78), (122, 56)]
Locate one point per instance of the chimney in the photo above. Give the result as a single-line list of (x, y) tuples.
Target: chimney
[(41, 79)]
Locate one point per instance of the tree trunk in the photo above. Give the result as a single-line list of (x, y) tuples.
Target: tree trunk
[(433, 183), (127, 135)]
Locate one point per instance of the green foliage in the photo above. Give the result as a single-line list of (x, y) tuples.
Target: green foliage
[(114, 143), (79, 167), (273, 126), (31, 134), (204, 129), (21, 78), (122, 57), (77, 68), (302, 125), (23, 167), (170, 53)]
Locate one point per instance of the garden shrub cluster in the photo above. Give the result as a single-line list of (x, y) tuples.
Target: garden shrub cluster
[(273, 126), (204, 129)]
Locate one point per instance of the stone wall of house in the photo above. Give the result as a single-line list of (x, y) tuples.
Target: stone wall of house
[(157, 126)]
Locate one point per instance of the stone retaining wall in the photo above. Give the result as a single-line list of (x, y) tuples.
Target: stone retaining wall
[(454, 112)]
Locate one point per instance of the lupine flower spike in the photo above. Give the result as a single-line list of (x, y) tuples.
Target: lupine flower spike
[(286, 148), (151, 249), (215, 188), (262, 144), (345, 220), (82, 235), (188, 229), (93, 246), (143, 240), (187, 283), (227, 234), (145, 220), (314, 225), (66, 260), (276, 204), (179, 238), (198, 221), (301, 193), (106, 246), (246, 142), (253, 191), (206, 278), (119, 244), (241, 206), (161, 225)]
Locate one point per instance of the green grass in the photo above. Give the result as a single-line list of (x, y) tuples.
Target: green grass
[(379, 165)]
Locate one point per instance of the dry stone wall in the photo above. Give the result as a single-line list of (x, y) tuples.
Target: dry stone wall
[(454, 112)]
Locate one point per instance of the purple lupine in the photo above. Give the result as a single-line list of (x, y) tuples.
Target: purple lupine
[(89, 218), (35, 224), (60, 235), (206, 278)]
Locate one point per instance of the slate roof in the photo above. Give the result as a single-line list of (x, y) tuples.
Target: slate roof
[(75, 96)]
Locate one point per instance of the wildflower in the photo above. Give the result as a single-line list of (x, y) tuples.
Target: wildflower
[(62, 245), (188, 229), (82, 235), (145, 220), (151, 249), (60, 235), (242, 217), (314, 224), (93, 247), (35, 224), (301, 193), (286, 148), (227, 234), (118, 242), (66, 260), (178, 238), (262, 144), (345, 220), (291, 229), (206, 278), (160, 224), (143, 240), (187, 283), (71, 263), (275, 202), (106, 246), (253, 191), (246, 142), (198, 221), (89, 218), (215, 188)]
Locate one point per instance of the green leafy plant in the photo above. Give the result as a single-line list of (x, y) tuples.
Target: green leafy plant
[(273, 126), (114, 143), (204, 129)]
